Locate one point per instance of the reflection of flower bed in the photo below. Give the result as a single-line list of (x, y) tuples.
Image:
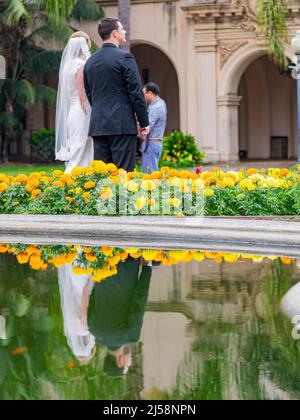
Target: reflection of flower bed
[(103, 189), (101, 262)]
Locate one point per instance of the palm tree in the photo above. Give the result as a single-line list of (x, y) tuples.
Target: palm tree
[(124, 16), (271, 16), (25, 27)]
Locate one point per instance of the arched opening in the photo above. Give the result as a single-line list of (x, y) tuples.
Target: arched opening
[(267, 113), (155, 66)]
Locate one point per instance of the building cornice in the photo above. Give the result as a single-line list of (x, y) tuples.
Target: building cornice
[(107, 3)]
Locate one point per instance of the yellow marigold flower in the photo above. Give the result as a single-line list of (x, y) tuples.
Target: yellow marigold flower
[(3, 249), (106, 194), (212, 180), (208, 192), (58, 173), (100, 168), (298, 168), (76, 172), (114, 260), (3, 178), (35, 193), (89, 185), (175, 182), (33, 250), (111, 167), (87, 250), (228, 182), (35, 262), (91, 257), (199, 256), (132, 187), (86, 196), (79, 271), (231, 258), (3, 187), (175, 202), (23, 258), (252, 171), (78, 191), (132, 250), (58, 184), (286, 260), (184, 174), (69, 199), (140, 203), (178, 255), (149, 254), (32, 184), (21, 179), (246, 184), (173, 172), (35, 176), (284, 173), (107, 250), (148, 185), (165, 169), (156, 175), (16, 203)]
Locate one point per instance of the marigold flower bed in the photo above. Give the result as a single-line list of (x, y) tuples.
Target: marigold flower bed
[(105, 190), (102, 262)]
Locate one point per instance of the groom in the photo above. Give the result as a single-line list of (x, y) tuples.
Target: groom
[(114, 90)]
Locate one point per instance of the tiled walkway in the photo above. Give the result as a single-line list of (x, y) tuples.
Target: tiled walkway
[(255, 164)]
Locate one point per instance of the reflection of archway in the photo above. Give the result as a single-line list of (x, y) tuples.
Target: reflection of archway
[(156, 67), (254, 104)]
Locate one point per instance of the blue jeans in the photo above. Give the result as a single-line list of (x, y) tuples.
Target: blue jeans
[(151, 154)]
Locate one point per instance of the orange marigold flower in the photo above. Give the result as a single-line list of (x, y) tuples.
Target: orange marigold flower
[(35, 193), (18, 351), (89, 185)]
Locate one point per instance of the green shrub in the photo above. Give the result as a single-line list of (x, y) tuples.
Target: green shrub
[(180, 150), (42, 145)]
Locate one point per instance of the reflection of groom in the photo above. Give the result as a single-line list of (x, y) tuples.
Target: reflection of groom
[(116, 312), (114, 89)]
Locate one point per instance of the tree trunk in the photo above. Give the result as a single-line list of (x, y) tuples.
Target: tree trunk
[(124, 16)]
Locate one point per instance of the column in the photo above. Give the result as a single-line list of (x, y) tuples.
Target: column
[(206, 66), (228, 127)]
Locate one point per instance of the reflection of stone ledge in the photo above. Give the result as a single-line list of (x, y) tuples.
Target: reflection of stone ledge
[(265, 236)]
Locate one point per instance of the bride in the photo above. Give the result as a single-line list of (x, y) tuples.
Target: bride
[(73, 145)]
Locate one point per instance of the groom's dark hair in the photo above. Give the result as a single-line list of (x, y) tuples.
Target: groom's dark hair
[(106, 27)]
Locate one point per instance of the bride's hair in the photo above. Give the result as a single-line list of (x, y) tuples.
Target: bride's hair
[(81, 34)]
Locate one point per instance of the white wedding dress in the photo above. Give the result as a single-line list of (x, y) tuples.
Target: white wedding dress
[(71, 287), (73, 145)]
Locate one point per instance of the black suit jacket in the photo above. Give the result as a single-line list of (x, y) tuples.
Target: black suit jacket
[(117, 306), (113, 87)]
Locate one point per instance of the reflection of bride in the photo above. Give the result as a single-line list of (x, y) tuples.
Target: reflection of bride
[(290, 303), (75, 292), (73, 110)]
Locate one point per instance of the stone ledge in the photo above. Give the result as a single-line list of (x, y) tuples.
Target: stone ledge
[(264, 236)]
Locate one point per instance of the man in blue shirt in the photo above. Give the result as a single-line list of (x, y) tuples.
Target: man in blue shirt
[(152, 145)]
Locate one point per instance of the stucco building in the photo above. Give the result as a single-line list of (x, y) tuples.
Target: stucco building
[(210, 59)]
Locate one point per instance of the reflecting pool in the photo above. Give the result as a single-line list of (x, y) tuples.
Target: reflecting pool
[(111, 323)]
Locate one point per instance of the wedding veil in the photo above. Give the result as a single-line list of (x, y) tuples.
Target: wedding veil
[(75, 54), (71, 287)]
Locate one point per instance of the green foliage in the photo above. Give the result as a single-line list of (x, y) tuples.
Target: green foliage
[(23, 44), (180, 150), (271, 16), (42, 144)]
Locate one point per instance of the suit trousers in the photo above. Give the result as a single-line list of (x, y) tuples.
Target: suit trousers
[(120, 150)]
